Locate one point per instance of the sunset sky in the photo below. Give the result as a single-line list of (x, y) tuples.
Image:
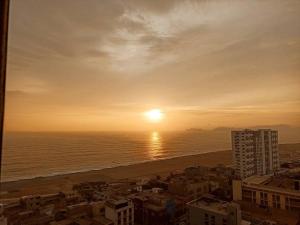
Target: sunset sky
[(94, 65)]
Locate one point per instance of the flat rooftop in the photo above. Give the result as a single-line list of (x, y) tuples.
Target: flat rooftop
[(257, 179), (273, 183), (117, 203), (210, 203)]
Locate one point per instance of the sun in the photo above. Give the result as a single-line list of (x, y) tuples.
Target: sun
[(154, 115)]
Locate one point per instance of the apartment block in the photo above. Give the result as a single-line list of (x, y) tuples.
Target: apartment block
[(255, 152), (278, 192), (208, 210), (120, 211), (158, 208)]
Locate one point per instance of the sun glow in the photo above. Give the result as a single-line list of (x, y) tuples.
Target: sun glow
[(154, 115), (155, 147)]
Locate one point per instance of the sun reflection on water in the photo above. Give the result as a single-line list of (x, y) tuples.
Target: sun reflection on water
[(155, 145)]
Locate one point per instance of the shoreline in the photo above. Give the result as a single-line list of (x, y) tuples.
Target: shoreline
[(104, 168), (121, 165), (65, 182), (107, 168)]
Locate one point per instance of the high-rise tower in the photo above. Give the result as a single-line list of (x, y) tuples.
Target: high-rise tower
[(255, 152)]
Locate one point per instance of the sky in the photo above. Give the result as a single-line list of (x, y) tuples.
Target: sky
[(91, 65)]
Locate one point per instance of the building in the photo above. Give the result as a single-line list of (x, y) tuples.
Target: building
[(148, 212), (191, 188), (36, 202), (120, 211), (80, 210), (192, 184), (159, 208), (98, 208), (255, 152), (3, 219), (276, 192), (208, 210)]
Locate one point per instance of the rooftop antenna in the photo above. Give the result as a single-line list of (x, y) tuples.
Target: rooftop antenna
[(4, 14)]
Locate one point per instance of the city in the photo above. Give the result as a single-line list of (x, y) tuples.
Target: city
[(260, 188)]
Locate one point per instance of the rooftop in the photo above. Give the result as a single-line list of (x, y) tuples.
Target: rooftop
[(117, 203), (257, 179), (273, 183), (210, 203)]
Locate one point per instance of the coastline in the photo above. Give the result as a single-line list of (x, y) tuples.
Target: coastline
[(105, 167), (65, 182)]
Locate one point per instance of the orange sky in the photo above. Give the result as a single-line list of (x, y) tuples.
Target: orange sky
[(99, 65)]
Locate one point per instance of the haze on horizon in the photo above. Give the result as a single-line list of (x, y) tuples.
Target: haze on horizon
[(89, 65)]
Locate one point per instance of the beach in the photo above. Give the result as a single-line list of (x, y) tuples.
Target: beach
[(52, 184)]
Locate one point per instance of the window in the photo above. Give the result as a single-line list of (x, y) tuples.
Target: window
[(276, 201), (292, 204), (263, 199), (212, 220)]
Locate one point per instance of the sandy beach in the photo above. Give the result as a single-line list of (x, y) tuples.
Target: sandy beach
[(52, 184)]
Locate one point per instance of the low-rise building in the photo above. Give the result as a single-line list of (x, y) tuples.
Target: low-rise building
[(208, 210), (120, 211), (98, 208), (35, 202), (277, 192), (31, 202), (159, 208), (80, 210), (191, 188)]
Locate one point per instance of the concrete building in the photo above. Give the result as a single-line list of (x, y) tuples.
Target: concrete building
[(158, 208), (255, 152), (191, 185), (36, 202), (269, 192), (31, 202), (121, 212), (208, 210), (3, 219), (192, 189)]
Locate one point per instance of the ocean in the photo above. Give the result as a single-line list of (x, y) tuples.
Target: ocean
[(30, 154)]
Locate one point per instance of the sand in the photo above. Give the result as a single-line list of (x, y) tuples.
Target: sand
[(52, 184)]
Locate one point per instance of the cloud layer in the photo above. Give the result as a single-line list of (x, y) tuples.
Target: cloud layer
[(95, 64)]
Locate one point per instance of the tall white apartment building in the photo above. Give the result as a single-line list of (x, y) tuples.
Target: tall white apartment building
[(255, 152)]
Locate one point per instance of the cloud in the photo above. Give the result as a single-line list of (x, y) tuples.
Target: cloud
[(144, 37), (94, 55)]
